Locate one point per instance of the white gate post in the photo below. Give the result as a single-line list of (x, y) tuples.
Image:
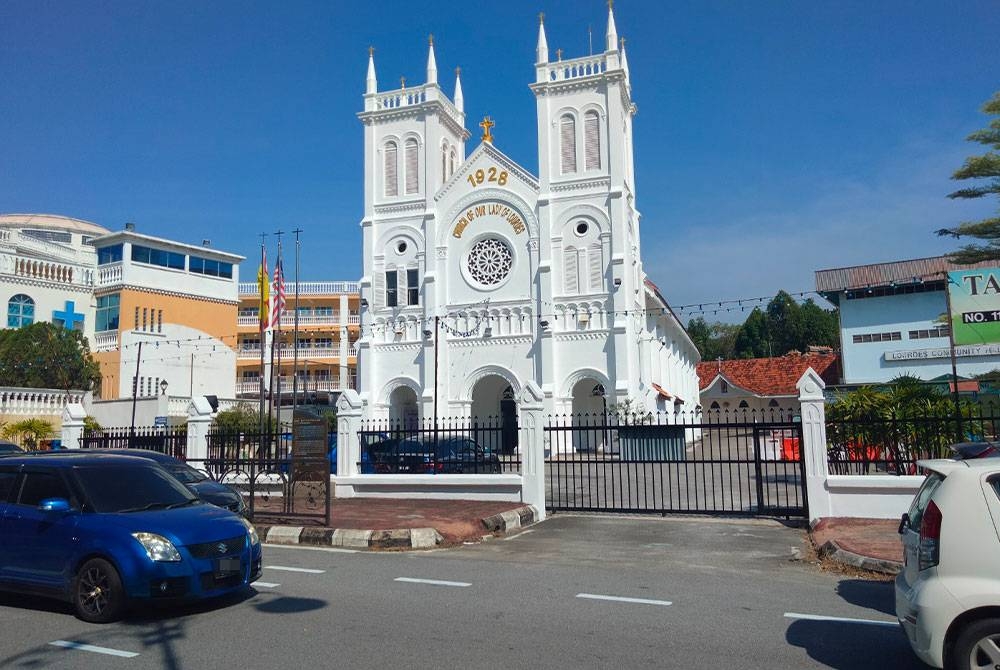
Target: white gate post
[(532, 443), (812, 403), (72, 425), (350, 411), (199, 419)]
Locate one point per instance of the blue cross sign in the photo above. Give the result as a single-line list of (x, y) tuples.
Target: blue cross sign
[(69, 316)]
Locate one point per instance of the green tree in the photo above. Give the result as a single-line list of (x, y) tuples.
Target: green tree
[(754, 338), (714, 340), (986, 166), (243, 418), (44, 355), (28, 432), (817, 326), (784, 324)]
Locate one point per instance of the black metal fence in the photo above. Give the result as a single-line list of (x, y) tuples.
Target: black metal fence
[(170, 441), (716, 462), (893, 443), (451, 446), (279, 483)]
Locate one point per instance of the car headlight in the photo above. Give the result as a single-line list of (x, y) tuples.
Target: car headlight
[(254, 538), (157, 547)]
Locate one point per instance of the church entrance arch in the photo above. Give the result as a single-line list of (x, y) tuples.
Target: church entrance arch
[(494, 414), (590, 410), (403, 408)]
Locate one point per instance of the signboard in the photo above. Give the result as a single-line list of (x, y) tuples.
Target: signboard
[(943, 352), (975, 305), (309, 457), (160, 422)]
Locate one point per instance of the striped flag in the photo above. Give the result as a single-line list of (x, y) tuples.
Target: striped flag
[(262, 289), (279, 294)]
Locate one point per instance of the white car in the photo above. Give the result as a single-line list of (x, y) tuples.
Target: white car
[(948, 594)]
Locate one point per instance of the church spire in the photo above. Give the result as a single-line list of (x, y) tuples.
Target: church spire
[(432, 68), (459, 98), (624, 57), (612, 34), (542, 50), (371, 84)]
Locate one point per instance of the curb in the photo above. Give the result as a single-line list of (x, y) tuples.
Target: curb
[(835, 552), (404, 538)]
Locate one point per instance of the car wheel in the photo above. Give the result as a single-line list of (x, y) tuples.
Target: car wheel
[(978, 646), (98, 595)]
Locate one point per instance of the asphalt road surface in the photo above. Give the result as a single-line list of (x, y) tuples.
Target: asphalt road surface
[(572, 592)]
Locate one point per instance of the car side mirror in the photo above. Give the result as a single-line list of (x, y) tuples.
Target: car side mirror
[(54, 505), (904, 521)]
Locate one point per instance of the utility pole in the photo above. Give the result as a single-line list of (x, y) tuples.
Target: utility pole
[(135, 388), (262, 309), (437, 337), (295, 337), (954, 362)]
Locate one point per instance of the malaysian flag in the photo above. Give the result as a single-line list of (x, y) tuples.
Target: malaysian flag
[(262, 290), (278, 305)]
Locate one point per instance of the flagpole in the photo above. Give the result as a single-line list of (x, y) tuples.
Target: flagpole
[(295, 338), (262, 314), (279, 282)]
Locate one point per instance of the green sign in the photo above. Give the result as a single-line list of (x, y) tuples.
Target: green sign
[(975, 305)]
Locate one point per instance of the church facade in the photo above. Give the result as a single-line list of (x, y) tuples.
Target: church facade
[(479, 276)]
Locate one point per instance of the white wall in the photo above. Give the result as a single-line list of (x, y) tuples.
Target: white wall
[(214, 371)]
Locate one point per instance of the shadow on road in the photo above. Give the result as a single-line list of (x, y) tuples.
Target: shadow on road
[(289, 605), (853, 646), (869, 593)]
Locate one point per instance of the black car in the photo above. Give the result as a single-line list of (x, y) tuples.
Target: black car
[(463, 455), (9, 448), (210, 491)]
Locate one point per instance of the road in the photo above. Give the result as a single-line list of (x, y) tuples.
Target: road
[(574, 591)]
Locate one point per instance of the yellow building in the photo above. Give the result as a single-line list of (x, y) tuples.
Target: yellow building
[(329, 328), (165, 312)]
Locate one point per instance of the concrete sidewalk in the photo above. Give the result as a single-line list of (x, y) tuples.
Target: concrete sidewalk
[(394, 523), (869, 544)]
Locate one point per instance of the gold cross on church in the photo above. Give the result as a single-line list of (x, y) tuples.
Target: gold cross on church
[(486, 124)]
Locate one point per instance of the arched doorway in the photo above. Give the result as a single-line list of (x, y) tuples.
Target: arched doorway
[(403, 410), (494, 414), (590, 412)]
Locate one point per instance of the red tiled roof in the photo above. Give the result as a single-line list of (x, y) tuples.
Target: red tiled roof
[(768, 376)]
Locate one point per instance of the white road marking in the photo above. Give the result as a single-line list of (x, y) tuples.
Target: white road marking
[(266, 585), (623, 599), (79, 646), (434, 582), (310, 571), (839, 619), (331, 550), (517, 535)]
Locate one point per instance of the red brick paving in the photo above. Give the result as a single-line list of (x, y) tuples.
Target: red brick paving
[(456, 520), (875, 538)]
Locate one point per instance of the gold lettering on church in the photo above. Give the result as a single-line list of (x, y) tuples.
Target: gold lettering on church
[(480, 177), (501, 210)]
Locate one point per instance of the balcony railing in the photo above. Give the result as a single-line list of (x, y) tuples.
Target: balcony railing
[(252, 387), (106, 340), (109, 274), (289, 351), (288, 320), (307, 288)]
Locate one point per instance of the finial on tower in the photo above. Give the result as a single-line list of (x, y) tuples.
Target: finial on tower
[(612, 34), (559, 54), (432, 68), (542, 50), (371, 84), (402, 83), (459, 98), (486, 124)]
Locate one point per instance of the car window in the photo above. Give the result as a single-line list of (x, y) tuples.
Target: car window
[(39, 486), (186, 473), (994, 482), (7, 478), (149, 487), (923, 497)]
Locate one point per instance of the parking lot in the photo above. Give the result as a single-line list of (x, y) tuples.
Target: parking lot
[(573, 591)]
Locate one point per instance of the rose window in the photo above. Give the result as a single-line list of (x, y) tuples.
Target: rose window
[(489, 261)]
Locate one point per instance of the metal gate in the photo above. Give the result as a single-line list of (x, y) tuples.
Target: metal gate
[(743, 463)]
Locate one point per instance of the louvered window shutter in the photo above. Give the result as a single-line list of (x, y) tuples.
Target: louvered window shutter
[(391, 183), (596, 269), (571, 283), (567, 144), (592, 141), (444, 164), (378, 289), (401, 284), (412, 178)]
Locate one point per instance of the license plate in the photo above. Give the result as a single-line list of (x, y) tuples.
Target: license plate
[(227, 566)]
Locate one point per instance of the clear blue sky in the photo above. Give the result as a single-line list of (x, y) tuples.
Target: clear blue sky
[(773, 138)]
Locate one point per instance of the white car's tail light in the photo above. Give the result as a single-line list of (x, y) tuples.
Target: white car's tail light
[(930, 537)]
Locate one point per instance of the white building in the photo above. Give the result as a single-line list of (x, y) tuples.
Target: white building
[(479, 276)]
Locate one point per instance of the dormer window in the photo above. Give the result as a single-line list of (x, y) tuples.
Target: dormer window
[(723, 386)]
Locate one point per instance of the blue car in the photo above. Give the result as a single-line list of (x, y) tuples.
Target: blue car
[(106, 531)]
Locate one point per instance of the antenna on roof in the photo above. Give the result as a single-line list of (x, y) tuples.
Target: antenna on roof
[(206, 243), (130, 227)]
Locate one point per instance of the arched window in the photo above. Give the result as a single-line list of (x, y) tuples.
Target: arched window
[(444, 162), (391, 180), (744, 404), (452, 160), (412, 164), (591, 141), (567, 144), (773, 403), (20, 311), (714, 405)]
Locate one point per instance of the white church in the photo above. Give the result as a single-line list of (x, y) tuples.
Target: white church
[(480, 277)]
